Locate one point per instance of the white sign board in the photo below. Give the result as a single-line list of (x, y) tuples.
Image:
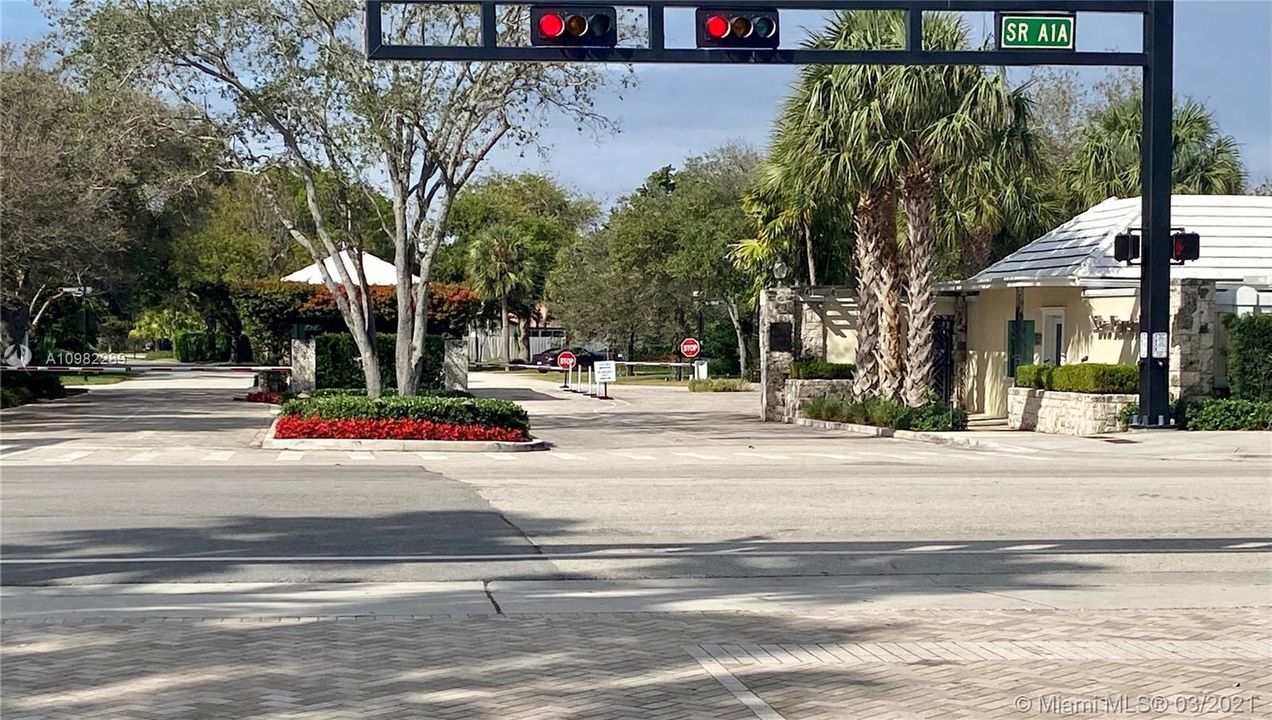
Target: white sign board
[(1161, 345), (1143, 345), (606, 371)]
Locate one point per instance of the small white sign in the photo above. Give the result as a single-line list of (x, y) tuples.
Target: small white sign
[(1161, 345), (1143, 345), (606, 371)]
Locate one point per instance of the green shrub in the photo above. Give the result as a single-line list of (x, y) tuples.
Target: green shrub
[(719, 385), (1250, 356), (23, 386), (723, 367), (821, 370), (930, 417), (1231, 414), (388, 392), (222, 347), (191, 347), (461, 411), (1100, 378), (337, 360)]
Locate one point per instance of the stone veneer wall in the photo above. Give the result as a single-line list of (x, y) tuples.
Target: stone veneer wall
[(455, 365), (799, 391), (1064, 413), (304, 374), (1192, 337)]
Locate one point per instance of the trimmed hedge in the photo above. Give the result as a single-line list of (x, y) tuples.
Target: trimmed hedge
[(191, 347), (337, 360), (821, 370), (19, 387), (719, 385), (1102, 378), (1213, 414), (1250, 356), (457, 411), (362, 392), (932, 416)]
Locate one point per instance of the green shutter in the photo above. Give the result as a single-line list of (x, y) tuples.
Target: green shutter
[(1014, 356)]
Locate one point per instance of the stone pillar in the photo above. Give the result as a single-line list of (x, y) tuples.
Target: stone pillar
[(455, 365), (304, 374), (960, 351), (1192, 337), (812, 328), (778, 333)]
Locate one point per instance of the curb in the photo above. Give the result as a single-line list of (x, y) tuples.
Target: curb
[(272, 443), (873, 431)]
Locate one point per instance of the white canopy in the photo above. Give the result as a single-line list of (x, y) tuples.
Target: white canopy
[(378, 271)]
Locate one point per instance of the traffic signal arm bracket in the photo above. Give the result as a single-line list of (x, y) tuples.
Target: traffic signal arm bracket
[(655, 50)]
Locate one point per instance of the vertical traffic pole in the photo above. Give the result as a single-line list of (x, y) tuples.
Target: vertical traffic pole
[(1155, 173)]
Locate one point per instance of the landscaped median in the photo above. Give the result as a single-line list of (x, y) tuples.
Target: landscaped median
[(401, 423)]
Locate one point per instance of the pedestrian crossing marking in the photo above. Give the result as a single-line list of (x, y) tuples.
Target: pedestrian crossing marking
[(499, 456), (1028, 547), (699, 456), (219, 456), (147, 456), (933, 548), (636, 456), (565, 456), (361, 456), (1248, 545), (835, 456), (431, 456), (290, 456), (767, 456), (71, 456)]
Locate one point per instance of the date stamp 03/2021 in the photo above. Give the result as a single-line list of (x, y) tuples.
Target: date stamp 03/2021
[(1115, 704)]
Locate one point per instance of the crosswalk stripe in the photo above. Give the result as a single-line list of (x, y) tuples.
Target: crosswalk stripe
[(1248, 545), (219, 456), (431, 456), (361, 456), (933, 548), (506, 457), (767, 456), (147, 456), (1028, 547), (698, 456), (289, 456), (636, 456), (565, 456), (71, 456), (9, 451), (834, 456)]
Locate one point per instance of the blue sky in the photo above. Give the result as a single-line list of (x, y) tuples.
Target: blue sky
[(1223, 57)]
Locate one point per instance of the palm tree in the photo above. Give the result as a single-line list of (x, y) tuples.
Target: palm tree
[(1106, 163), (495, 269), (1001, 190), (929, 120)]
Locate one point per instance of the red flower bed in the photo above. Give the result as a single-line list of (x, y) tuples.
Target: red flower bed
[(311, 427), (267, 396)]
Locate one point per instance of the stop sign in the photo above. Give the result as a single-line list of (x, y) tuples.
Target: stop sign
[(566, 360), (690, 348)]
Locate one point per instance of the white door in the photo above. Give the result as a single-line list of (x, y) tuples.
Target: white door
[(1053, 339)]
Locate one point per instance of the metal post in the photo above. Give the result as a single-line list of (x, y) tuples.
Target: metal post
[(1155, 174)]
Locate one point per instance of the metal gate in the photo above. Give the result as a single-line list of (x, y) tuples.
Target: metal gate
[(943, 357)]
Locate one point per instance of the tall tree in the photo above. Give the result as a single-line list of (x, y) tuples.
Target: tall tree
[(288, 86), (496, 268), (1106, 162)]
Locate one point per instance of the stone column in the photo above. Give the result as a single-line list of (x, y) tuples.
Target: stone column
[(304, 374), (778, 333), (1192, 337), (812, 327), (455, 365)]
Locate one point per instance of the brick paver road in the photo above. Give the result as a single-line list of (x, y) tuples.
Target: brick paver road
[(911, 664)]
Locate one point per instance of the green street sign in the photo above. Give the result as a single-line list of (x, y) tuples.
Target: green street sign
[(1029, 31)]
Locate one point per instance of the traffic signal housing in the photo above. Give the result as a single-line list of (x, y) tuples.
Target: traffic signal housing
[(573, 26), (1126, 248), (1185, 246), (738, 28)]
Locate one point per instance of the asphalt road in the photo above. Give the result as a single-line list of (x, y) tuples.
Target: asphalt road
[(662, 486)]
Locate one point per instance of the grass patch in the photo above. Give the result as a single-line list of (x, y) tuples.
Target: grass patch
[(160, 355), (720, 385), (95, 379)]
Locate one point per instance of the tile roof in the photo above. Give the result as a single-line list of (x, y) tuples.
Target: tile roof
[(1236, 244)]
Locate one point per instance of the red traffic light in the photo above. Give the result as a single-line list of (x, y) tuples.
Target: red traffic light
[(574, 26), (551, 25), (717, 26), (737, 28)]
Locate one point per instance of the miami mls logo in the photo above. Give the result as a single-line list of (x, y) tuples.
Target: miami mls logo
[(17, 355)]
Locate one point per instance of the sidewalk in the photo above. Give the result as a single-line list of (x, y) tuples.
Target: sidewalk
[(643, 666)]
